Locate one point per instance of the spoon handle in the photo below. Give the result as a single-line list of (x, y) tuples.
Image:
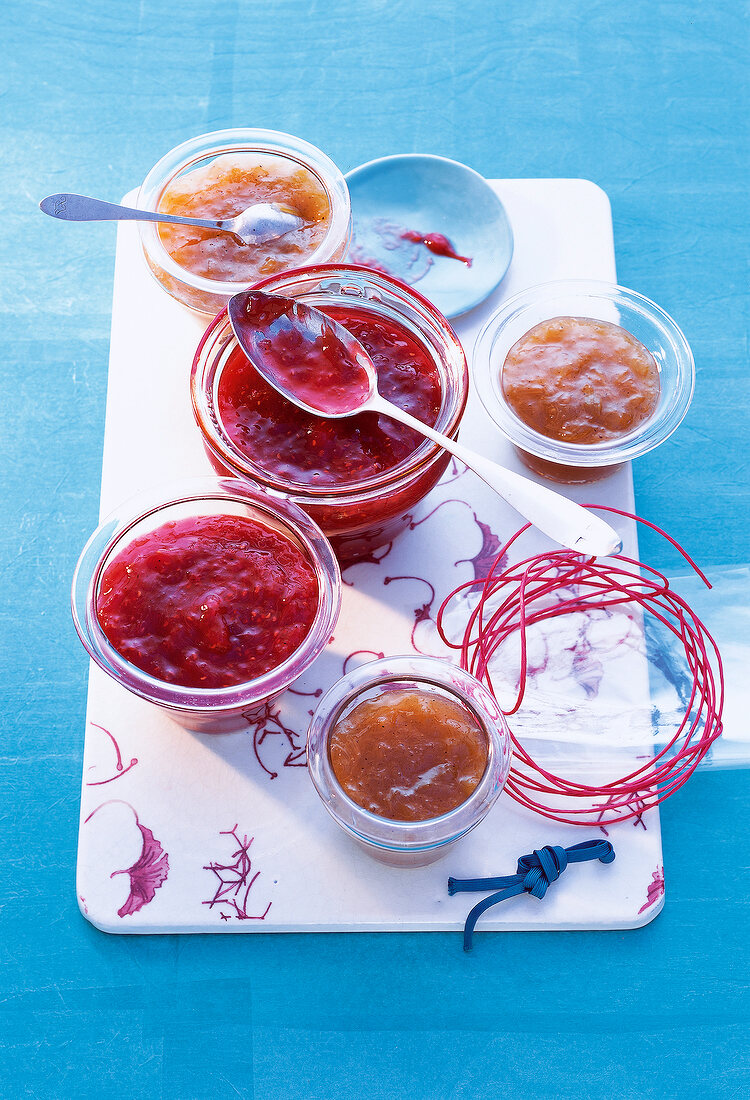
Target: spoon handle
[(563, 520), (81, 208)]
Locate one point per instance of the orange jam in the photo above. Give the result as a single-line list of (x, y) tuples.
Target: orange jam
[(223, 189), (409, 755), (580, 380)]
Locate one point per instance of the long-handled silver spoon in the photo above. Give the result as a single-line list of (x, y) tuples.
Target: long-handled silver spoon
[(319, 366), (264, 221)]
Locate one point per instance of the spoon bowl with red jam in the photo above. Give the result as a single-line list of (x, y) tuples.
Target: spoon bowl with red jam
[(322, 368)]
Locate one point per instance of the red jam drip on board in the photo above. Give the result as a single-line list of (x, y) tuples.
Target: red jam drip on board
[(310, 363), (580, 380), (436, 243), (299, 447), (223, 189), (408, 755), (208, 601)]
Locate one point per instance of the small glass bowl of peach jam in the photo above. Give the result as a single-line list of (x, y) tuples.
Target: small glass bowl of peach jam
[(217, 176), (408, 754), (583, 376)]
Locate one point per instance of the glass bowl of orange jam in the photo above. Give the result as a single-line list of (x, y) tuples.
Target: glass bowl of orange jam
[(583, 376), (217, 176), (408, 754)]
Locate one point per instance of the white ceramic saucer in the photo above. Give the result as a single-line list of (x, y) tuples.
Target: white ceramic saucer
[(429, 194)]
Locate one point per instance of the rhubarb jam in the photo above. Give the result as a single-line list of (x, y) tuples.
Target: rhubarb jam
[(408, 755), (223, 189), (580, 380), (208, 601), (303, 449)]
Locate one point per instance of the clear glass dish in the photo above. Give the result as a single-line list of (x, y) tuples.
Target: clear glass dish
[(408, 843), (252, 145), (358, 516), (209, 710), (655, 329)]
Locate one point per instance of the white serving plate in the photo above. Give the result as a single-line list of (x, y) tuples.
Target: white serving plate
[(226, 833)]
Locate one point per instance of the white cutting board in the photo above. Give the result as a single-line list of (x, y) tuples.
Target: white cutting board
[(182, 832)]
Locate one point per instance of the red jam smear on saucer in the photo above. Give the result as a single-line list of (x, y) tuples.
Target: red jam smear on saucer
[(580, 380), (311, 451), (223, 189), (437, 243), (408, 755), (208, 601)]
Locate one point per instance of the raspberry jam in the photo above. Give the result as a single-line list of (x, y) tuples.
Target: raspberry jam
[(301, 351), (208, 601), (360, 477), (308, 450)]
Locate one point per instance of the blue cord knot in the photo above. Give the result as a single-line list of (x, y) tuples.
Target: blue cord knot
[(543, 867), (535, 873)]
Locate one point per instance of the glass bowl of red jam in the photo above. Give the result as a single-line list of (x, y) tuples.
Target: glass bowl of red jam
[(360, 477), (583, 376), (209, 602), (408, 754), (218, 175)]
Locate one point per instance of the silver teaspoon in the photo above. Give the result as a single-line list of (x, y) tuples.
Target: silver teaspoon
[(264, 221), (318, 365)]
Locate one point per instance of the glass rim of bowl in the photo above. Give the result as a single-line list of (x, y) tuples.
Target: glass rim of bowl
[(388, 834), (673, 404), (426, 452), (190, 153), (113, 530)]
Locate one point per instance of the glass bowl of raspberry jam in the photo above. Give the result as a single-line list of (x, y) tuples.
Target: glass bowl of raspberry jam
[(359, 477), (582, 376), (209, 601), (218, 175), (408, 755)]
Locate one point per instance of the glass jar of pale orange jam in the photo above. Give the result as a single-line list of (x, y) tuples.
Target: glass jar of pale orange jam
[(582, 376), (580, 380), (219, 175), (408, 754)]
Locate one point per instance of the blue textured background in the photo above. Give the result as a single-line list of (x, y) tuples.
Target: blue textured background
[(648, 99)]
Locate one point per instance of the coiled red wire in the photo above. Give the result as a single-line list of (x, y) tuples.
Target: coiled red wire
[(520, 594)]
